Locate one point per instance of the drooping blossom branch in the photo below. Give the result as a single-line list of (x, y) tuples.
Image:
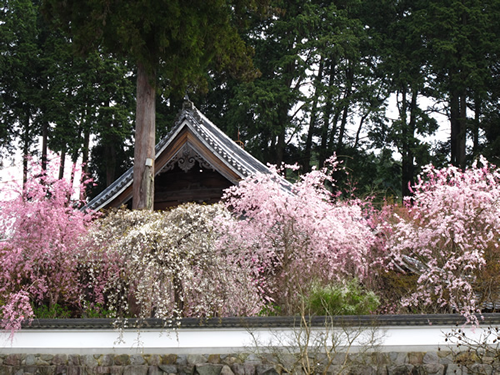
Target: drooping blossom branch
[(298, 236), (453, 222), (42, 232)]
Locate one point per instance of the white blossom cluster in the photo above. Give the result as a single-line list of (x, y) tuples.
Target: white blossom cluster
[(167, 265)]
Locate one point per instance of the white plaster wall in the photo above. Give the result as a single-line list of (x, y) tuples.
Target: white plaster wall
[(418, 338)]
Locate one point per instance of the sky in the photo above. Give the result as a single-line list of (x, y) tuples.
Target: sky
[(11, 174)]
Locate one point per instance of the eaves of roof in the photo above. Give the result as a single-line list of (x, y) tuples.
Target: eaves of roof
[(266, 322)]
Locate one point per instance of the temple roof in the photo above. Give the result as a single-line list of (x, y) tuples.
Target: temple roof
[(193, 139)]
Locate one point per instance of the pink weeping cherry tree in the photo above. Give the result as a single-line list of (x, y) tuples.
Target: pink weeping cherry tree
[(41, 233), (299, 236), (451, 230)]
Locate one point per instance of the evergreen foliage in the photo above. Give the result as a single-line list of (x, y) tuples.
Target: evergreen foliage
[(172, 43), (321, 81)]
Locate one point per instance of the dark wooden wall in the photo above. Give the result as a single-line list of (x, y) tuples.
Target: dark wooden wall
[(200, 185)]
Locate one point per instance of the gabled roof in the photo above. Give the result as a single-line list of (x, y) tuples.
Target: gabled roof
[(193, 139)]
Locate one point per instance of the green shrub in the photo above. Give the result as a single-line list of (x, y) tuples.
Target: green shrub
[(347, 298), (96, 311), (53, 312)]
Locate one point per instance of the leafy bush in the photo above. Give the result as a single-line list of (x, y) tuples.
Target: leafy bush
[(347, 298), (53, 312)]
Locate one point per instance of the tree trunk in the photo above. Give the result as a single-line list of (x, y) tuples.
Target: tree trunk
[(345, 111), (331, 145), (45, 135), (26, 149), (280, 147), (457, 120), (343, 123), (360, 127), (323, 153), (86, 143), (476, 125), (408, 132), (306, 164), (110, 155), (403, 116), (144, 151), (61, 164), (463, 130), (283, 117)]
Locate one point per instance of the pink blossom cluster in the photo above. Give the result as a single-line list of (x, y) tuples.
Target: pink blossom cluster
[(41, 231), (298, 236), (453, 220)]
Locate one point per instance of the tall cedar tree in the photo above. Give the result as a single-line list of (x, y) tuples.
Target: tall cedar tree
[(170, 39), (20, 68), (462, 38), (403, 58)]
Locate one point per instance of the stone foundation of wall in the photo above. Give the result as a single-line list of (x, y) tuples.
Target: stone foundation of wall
[(391, 363)]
